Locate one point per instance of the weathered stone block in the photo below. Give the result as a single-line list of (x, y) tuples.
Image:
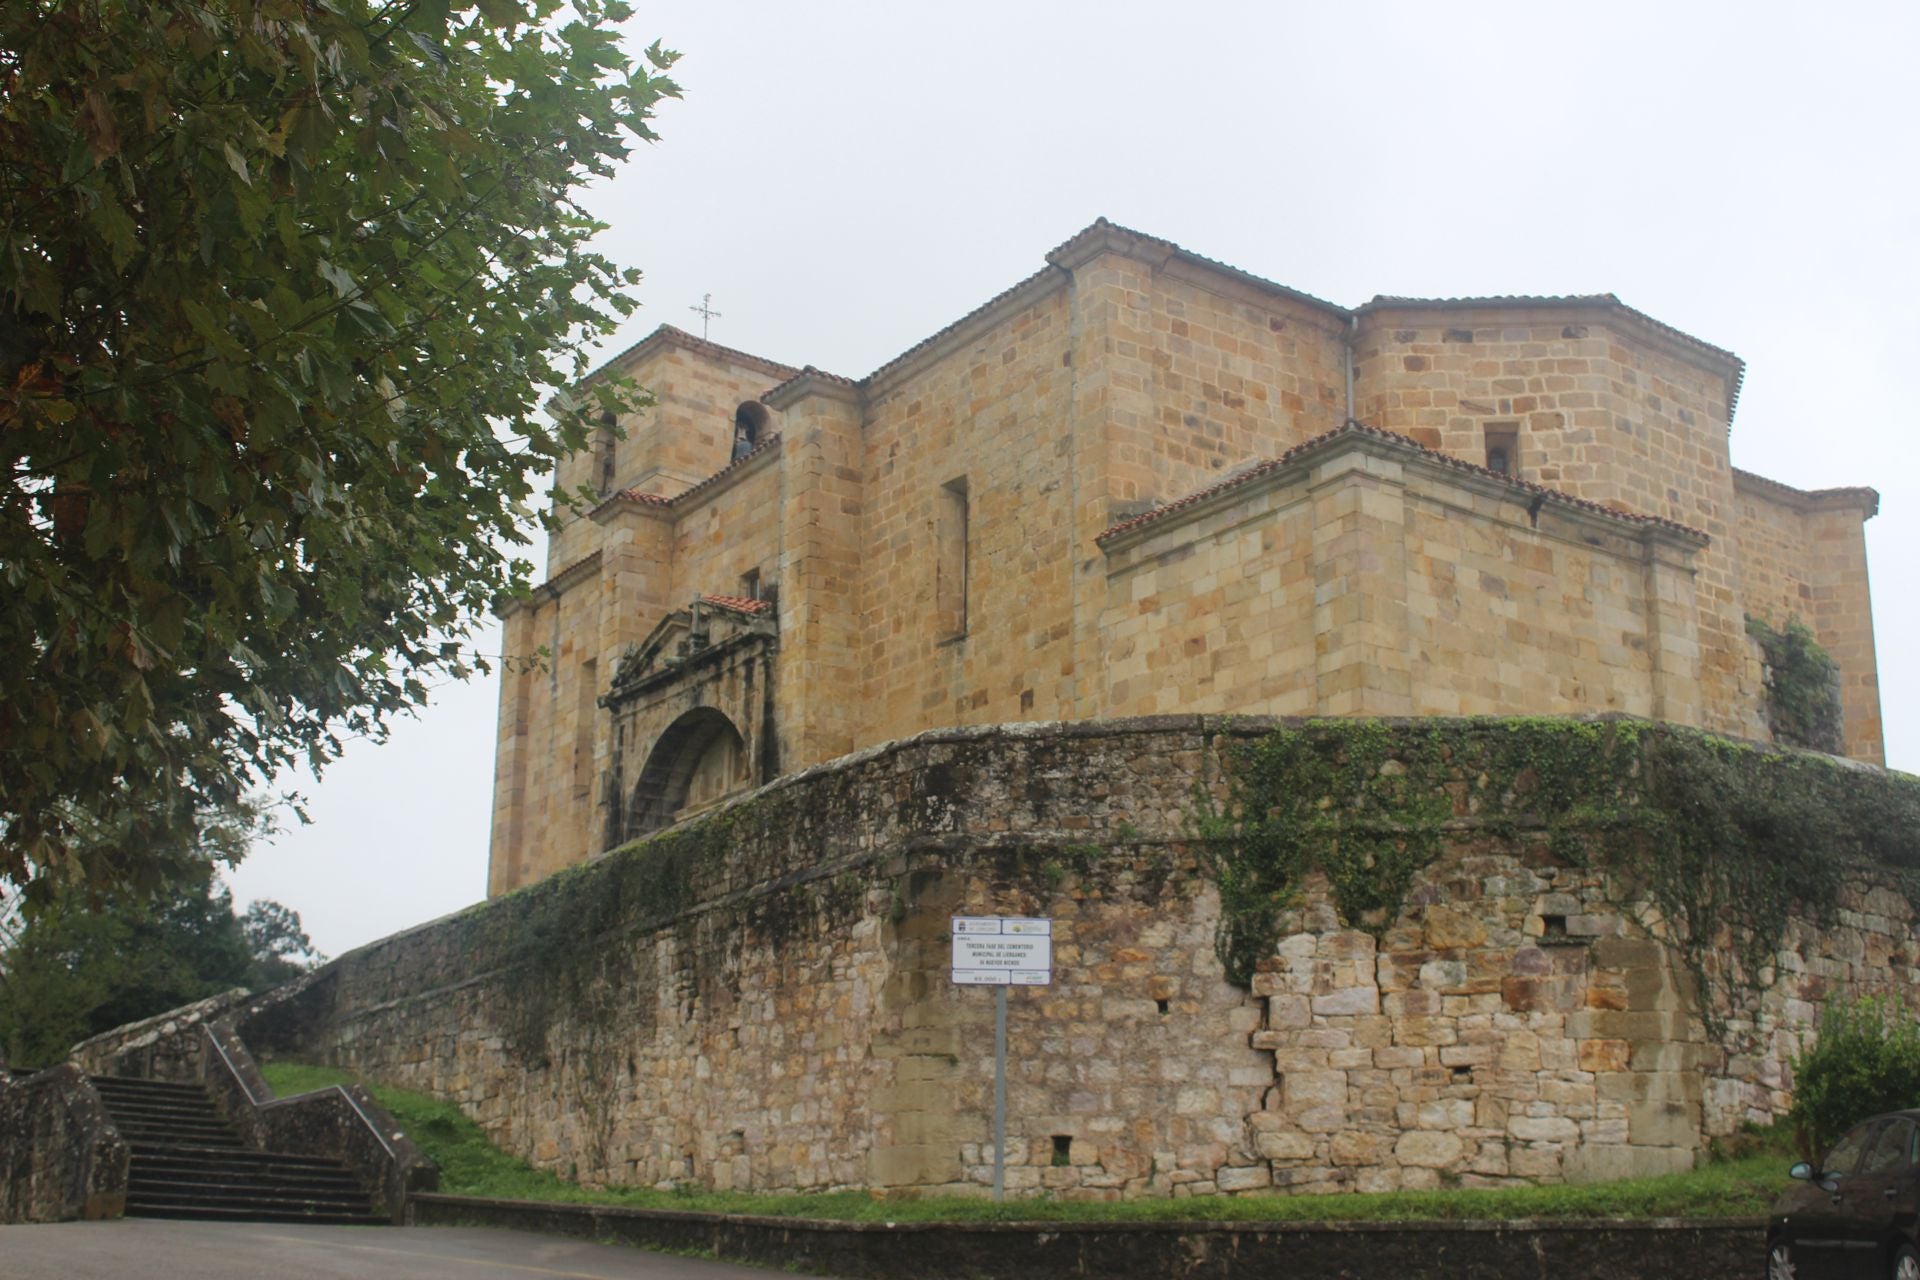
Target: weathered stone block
[(1316, 1089), (1347, 1001), (1285, 1145), (1351, 1148), (1252, 1178), (1664, 1124), (1427, 1149)]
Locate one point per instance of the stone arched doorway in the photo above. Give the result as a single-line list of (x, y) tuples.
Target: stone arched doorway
[(692, 715), (698, 761)]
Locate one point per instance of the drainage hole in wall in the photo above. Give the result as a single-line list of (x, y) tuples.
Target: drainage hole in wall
[(1062, 1150), (1553, 926), (1462, 1074)]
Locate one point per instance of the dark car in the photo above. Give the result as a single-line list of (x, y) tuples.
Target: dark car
[(1857, 1215)]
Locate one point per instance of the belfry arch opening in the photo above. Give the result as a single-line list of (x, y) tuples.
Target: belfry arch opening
[(700, 760), (752, 423)]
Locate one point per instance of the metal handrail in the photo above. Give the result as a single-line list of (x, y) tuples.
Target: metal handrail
[(260, 1105)]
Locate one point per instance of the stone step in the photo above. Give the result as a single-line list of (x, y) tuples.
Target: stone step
[(189, 1162), (158, 1090), (243, 1161), (254, 1214), (216, 1194)]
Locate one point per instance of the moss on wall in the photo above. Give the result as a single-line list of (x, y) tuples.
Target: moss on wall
[(1803, 687), (1724, 839)]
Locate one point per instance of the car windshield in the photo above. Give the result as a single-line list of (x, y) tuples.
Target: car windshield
[(1846, 1152), (1889, 1151)]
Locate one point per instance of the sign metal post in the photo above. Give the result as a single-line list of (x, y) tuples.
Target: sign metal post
[(1001, 952), (999, 1093)]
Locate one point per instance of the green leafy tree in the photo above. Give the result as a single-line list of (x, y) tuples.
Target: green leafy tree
[(278, 949), (1865, 1060), (77, 964), (283, 284)]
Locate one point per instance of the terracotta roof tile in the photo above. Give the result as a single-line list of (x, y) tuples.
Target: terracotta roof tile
[(656, 500), (739, 604), (1358, 428)]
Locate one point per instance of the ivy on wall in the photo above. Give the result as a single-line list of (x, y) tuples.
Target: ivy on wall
[(1803, 686), (1727, 839)]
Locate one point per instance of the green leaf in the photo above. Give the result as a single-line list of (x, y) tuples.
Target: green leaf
[(237, 162), (299, 359)]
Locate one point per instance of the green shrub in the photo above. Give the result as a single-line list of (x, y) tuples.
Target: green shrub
[(1866, 1060)]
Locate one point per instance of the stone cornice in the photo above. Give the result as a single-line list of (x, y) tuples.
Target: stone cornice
[(889, 376), (579, 571), (1854, 498), (669, 336), (1104, 237), (811, 382), (1296, 466), (1604, 309)]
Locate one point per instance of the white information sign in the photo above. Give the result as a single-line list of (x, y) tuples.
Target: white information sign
[(1002, 951)]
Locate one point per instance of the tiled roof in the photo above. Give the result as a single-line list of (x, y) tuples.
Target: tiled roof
[(1225, 268), (681, 338), (1381, 302), (944, 330), (655, 500), (1395, 302), (739, 604), (1861, 494), (812, 371), (1352, 428)]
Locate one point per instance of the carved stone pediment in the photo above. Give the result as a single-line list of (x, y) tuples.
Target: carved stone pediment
[(689, 638)]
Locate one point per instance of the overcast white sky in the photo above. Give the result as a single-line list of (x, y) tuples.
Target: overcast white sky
[(846, 179)]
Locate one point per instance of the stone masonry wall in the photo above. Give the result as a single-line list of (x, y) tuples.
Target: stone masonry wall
[(935, 530), (759, 998)]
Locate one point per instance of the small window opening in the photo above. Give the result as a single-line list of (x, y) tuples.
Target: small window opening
[(1503, 449), (585, 704), (1462, 1074), (603, 456), (1062, 1150), (750, 584), (950, 535), (750, 423), (1162, 1004), (1553, 926)]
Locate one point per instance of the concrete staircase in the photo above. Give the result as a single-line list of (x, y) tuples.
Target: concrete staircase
[(188, 1162)]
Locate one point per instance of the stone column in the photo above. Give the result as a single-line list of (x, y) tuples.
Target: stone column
[(1110, 422), (1842, 616), (817, 693), (1673, 629), (1360, 584)]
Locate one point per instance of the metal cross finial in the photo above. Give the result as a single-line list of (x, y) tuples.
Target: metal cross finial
[(706, 313)]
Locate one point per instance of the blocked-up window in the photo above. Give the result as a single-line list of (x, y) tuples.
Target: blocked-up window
[(1503, 448), (603, 456), (951, 550), (585, 708)]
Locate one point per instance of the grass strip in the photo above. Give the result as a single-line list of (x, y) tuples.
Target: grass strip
[(1741, 1186)]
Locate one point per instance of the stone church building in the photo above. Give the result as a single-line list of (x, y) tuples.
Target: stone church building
[(1140, 482)]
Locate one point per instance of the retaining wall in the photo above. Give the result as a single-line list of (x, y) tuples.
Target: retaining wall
[(760, 1000)]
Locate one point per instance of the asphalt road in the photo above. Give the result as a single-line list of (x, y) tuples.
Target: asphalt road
[(152, 1249)]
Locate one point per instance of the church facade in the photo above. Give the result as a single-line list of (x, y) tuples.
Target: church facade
[(1142, 482)]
